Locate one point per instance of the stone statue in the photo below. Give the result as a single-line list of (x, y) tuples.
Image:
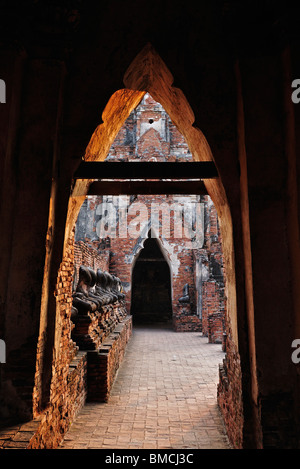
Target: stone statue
[(81, 298), (109, 287), (91, 288), (74, 313), (185, 294), (95, 290), (100, 289), (117, 288)]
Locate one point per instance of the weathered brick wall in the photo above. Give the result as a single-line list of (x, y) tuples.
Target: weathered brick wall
[(104, 362), (69, 370), (56, 420), (213, 311), (209, 304), (213, 286), (185, 322), (230, 393), (67, 347)]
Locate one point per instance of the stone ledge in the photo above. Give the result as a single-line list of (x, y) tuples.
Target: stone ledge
[(104, 363)]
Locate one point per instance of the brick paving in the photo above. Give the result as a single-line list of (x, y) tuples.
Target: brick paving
[(164, 396)]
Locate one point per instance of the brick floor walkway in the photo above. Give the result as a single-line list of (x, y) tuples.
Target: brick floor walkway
[(164, 396)]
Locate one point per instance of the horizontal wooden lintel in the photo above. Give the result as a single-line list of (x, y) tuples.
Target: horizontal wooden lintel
[(147, 188), (146, 170)]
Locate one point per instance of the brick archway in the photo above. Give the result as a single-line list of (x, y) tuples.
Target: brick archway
[(148, 73)]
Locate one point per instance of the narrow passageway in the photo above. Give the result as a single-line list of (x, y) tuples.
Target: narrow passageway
[(164, 396)]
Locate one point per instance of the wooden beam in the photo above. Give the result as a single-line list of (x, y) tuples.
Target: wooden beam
[(146, 170), (147, 188)]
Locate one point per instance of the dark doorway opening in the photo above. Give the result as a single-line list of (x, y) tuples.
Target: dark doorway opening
[(151, 300)]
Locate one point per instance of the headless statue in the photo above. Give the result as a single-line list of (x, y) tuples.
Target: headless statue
[(81, 298), (100, 288), (91, 288), (185, 294), (109, 287), (117, 287)]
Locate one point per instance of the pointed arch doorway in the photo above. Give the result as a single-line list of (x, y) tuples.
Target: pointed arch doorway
[(148, 73), (151, 298)]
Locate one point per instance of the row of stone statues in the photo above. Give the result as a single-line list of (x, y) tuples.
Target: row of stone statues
[(96, 289)]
